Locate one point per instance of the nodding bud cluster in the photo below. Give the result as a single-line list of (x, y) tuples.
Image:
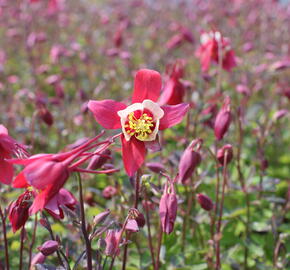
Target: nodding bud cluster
[(223, 119), (48, 247), (190, 159), (168, 208), (205, 202), (225, 154)]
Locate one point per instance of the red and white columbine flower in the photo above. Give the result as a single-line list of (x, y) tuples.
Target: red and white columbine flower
[(141, 121), (212, 45)]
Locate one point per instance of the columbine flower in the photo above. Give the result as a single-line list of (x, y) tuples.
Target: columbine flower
[(8, 148), (174, 90), (141, 121), (212, 44), (62, 198), (47, 173)]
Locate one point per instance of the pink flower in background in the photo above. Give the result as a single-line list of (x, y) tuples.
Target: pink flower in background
[(174, 90), (8, 148), (141, 121), (212, 44)]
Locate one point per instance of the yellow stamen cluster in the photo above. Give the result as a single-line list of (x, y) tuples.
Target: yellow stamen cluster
[(140, 128)]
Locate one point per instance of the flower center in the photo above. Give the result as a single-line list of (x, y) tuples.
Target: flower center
[(140, 125)]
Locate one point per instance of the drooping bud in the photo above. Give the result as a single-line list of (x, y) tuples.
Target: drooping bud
[(155, 167), (100, 218), (112, 239), (223, 120), (48, 247), (225, 154), (98, 161), (140, 220), (205, 202), (168, 208), (45, 115), (190, 159), (19, 210)]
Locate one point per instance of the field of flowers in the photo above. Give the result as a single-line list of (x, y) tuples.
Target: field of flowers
[(144, 134)]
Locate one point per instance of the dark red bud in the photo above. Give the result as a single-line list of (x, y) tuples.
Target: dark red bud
[(140, 220), (155, 167), (48, 247), (205, 202)]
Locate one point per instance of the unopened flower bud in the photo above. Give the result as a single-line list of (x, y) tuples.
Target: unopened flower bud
[(48, 247), (155, 167), (109, 192), (98, 161), (226, 152), (223, 120), (168, 209), (205, 202), (45, 115), (190, 159), (100, 218), (140, 220)]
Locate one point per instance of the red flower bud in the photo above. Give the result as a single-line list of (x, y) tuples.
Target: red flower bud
[(48, 247), (155, 167), (99, 160), (140, 220), (226, 152), (223, 120), (18, 210), (190, 159), (168, 209), (205, 202)]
